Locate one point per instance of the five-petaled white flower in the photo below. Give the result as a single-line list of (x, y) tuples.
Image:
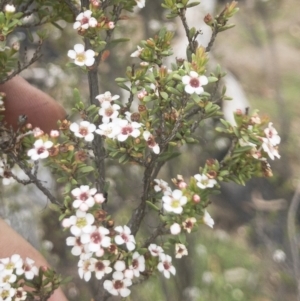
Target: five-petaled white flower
[(7, 292), (86, 266), (125, 237), (85, 20), (189, 223), (20, 294), (106, 97), (40, 150), (84, 130), (119, 284), (207, 219), (84, 197), (155, 250), (96, 239), (101, 268), (151, 142), (108, 111), (78, 247), (7, 265), (127, 129), (28, 269), (165, 265), (204, 182), (110, 130), (180, 250), (82, 57), (81, 223), (173, 202), (138, 52), (138, 264), (193, 82)]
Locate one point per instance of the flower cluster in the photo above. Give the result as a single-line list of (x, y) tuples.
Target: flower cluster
[(13, 271), (97, 246)]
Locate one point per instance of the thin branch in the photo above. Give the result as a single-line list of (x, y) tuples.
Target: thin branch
[(292, 234), (33, 178), (72, 7), (160, 230)]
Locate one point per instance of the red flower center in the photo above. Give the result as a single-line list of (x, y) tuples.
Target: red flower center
[(40, 150), (85, 20), (194, 82), (126, 130), (83, 131)]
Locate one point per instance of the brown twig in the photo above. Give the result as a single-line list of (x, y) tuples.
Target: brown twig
[(32, 177)]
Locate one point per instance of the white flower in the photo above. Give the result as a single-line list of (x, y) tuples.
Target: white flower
[(82, 57), (40, 150), (162, 185), (106, 97), (207, 219), (272, 134), (77, 245), (174, 201), (84, 130), (127, 129), (194, 82), (138, 52), (125, 237), (155, 250), (85, 20), (180, 250), (20, 294), (9, 8), (10, 278), (118, 286), (138, 264), (108, 111), (270, 149), (151, 142), (101, 268), (175, 229), (204, 182), (165, 265), (28, 268), (83, 197), (7, 292), (189, 223), (96, 239), (81, 223), (7, 265), (86, 266), (110, 130)]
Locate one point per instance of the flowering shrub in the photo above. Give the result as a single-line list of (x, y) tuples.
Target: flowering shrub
[(163, 109)]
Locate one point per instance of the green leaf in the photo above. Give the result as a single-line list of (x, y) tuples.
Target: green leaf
[(168, 156), (192, 4), (150, 204), (86, 169)]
